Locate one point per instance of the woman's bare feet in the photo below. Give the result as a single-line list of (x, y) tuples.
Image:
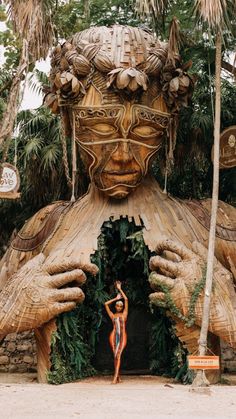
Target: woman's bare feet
[(115, 381)]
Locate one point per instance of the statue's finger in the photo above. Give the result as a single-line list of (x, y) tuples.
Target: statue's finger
[(59, 280), (158, 281), (90, 268), (158, 299), (166, 273), (167, 265), (175, 247), (69, 265), (59, 308), (68, 294)]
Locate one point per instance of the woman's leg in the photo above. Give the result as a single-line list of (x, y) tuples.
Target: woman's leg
[(117, 369)]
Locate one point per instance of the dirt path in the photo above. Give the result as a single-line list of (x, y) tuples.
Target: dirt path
[(95, 398)]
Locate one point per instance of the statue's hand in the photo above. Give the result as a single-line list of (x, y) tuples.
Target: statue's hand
[(38, 292), (176, 271), (178, 278)]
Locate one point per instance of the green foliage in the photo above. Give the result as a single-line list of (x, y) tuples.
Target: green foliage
[(74, 16), (10, 42), (70, 355)]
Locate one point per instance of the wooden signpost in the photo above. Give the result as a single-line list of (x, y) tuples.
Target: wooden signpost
[(207, 362), (9, 182)]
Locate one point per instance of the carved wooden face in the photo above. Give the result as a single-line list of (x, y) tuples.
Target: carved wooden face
[(117, 143), (120, 86)]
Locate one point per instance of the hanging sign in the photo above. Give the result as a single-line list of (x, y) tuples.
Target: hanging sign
[(227, 148), (9, 182), (207, 362)]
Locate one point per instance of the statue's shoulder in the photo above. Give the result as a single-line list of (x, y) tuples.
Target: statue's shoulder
[(39, 227), (226, 217)]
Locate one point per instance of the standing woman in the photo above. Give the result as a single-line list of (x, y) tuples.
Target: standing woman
[(118, 336)]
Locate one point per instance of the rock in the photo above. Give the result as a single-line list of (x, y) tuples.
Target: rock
[(28, 359), (11, 337), (4, 359), (24, 346), (11, 347), (22, 368), (13, 368), (16, 360)]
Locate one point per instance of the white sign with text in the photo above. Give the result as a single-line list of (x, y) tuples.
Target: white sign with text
[(9, 179)]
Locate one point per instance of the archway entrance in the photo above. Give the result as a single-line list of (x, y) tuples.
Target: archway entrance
[(152, 346), (81, 346)]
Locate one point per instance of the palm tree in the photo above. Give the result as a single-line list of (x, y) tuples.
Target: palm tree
[(40, 156), (32, 23)]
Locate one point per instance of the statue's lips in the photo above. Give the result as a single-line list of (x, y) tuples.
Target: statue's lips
[(124, 176), (120, 173)]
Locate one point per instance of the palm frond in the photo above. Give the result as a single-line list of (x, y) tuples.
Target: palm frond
[(35, 125), (201, 121), (38, 80), (152, 7), (216, 13), (174, 40), (55, 131), (50, 156), (32, 21), (32, 148)]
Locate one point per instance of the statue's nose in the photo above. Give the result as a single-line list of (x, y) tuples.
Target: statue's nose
[(122, 152)]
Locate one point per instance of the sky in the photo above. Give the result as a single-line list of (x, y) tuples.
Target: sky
[(32, 100)]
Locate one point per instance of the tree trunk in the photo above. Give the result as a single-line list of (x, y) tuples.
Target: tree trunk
[(8, 120), (200, 379)]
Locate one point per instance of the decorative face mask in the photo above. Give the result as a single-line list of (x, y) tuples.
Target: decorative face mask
[(120, 92), (117, 144)]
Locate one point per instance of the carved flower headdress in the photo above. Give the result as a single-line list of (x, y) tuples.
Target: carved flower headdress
[(127, 58)]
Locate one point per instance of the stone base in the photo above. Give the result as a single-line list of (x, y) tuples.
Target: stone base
[(18, 353)]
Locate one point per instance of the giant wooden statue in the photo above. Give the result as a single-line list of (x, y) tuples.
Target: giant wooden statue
[(118, 91)]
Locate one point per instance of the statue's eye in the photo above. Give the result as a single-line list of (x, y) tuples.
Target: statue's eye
[(103, 129), (146, 131)]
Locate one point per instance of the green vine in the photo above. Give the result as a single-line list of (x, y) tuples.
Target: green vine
[(190, 318), (194, 297)]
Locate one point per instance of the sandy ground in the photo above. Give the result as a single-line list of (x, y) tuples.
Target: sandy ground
[(95, 398)]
